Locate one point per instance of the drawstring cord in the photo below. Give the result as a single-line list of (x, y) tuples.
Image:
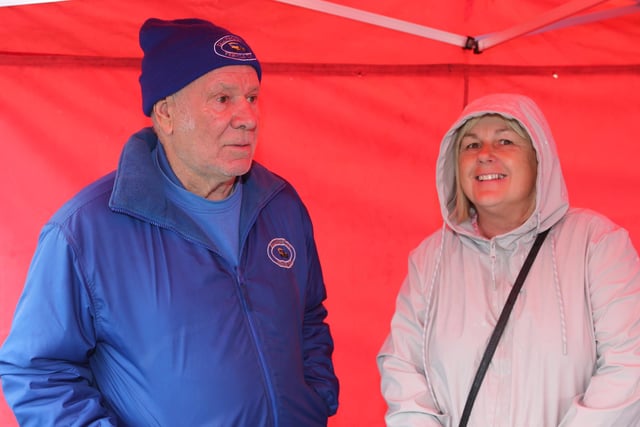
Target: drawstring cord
[(436, 269)]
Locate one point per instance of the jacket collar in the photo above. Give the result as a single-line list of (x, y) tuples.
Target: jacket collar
[(138, 190)]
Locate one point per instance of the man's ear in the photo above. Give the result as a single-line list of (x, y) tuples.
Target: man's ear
[(162, 115)]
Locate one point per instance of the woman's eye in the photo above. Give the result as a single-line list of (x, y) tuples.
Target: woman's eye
[(470, 146), (506, 142)]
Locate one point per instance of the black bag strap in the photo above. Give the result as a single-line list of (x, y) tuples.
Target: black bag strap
[(497, 332)]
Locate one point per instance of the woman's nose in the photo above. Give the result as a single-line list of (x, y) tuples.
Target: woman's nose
[(485, 153)]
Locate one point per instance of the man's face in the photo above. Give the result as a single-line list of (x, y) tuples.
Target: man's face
[(214, 122)]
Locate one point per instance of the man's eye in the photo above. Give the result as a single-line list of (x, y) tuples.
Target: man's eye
[(252, 99), (222, 99)]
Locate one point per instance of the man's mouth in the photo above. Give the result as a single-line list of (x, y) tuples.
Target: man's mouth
[(490, 176)]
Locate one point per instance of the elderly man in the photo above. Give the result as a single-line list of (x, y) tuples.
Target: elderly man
[(183, 289)]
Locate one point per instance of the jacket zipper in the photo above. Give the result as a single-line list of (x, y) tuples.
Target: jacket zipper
[(246, 305)]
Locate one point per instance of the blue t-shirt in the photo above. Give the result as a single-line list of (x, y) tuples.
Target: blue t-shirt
[(219, 219)]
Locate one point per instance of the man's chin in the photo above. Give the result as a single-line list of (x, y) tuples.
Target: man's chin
[(239, 167)]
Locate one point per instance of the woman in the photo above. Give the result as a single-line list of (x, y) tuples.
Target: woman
[(570, 353)]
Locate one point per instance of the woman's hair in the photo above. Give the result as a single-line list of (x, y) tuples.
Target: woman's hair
[(463, 205)]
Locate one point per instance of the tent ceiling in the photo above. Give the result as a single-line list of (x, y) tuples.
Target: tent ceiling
[(561, 16), (88, 28)]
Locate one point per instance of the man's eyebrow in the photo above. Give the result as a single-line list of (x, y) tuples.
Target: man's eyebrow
[(221, 85)]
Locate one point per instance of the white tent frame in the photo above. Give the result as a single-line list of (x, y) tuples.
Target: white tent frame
[(560, 17)]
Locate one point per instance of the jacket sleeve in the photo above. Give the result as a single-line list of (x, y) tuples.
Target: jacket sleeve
[(612, 397), (317, 340), (404, 384), (44, 361)]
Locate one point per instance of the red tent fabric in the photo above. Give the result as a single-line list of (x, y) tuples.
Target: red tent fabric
[(352, 115)]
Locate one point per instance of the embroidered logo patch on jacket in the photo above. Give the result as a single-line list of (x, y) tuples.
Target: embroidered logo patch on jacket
[(281, 252)]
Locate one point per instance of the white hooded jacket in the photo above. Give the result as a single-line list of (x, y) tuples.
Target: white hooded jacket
[(570, 354)]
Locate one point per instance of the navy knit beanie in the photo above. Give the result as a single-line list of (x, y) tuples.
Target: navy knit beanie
[(178, 52)]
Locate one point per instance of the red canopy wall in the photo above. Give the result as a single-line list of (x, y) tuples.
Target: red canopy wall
[(352, 116)]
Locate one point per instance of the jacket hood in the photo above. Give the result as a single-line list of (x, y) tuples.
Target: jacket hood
[(552, 200)]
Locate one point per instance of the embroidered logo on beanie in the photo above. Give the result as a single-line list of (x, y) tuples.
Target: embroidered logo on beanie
[(234, 47)]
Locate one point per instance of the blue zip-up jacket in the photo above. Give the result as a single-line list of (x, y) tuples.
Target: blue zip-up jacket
[(131, 317)]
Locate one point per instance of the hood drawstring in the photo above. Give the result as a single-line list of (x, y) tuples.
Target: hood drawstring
[(556, 284), (560, 300), (427, 309)]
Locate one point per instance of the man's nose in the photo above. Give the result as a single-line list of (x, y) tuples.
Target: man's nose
[(245, 115)]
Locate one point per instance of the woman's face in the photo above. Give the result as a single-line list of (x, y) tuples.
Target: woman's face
[(497, 170)]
